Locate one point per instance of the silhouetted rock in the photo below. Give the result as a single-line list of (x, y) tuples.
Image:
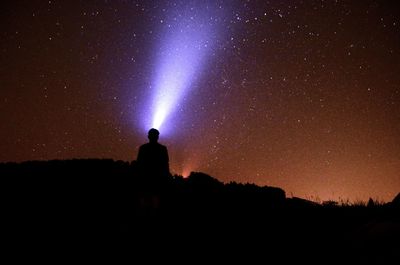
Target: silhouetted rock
[(203, 182), (396, 201), (299, 203)]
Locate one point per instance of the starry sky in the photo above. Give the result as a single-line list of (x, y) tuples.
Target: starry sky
[(303, 95)]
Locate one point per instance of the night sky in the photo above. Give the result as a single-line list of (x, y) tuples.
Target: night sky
[(303, 95)]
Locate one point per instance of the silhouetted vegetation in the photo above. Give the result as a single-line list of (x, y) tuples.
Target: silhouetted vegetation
[(106, 203)]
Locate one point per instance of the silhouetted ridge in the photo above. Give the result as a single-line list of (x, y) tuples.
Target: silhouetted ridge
[(396, 201), (101, 202)]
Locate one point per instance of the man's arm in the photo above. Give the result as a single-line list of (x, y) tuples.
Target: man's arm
[(140, 155), (166, 159)]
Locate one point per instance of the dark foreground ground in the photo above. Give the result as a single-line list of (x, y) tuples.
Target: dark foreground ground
[(100, 210)]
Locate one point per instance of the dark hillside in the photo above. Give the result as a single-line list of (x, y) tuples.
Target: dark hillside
[(104, 204)]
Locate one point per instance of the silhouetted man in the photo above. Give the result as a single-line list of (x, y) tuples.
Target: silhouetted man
[(153, 158)]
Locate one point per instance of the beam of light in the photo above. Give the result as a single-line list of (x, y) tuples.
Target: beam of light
[(180, 58)]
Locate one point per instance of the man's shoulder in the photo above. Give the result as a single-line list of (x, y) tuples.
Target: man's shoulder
[(152, 145), (144, 146), (161, 146)]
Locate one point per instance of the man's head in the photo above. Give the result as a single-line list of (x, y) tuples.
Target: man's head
[(153, 135)]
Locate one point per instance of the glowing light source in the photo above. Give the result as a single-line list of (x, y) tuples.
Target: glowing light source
[(159, 117)]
